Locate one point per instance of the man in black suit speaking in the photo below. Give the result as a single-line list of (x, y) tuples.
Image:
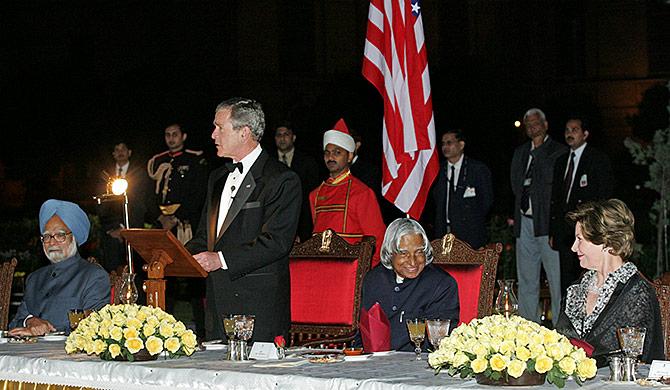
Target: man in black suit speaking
[(247, 226), (583, 175)]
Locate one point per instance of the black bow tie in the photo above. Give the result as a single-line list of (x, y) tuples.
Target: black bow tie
[(232, 166)]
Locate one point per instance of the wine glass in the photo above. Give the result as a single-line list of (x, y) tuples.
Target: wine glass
[(437, 330), (229, 328), (417, 332), (75, 316)]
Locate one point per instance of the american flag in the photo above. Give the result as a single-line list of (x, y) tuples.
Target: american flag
[(395, 62)]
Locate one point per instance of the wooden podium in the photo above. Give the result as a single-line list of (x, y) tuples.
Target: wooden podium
[(164, 256)]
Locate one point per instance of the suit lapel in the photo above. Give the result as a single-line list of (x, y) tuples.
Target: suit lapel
[(247, 187), (217, 189)]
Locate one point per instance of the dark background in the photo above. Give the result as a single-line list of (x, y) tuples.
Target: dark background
[(77, 76)]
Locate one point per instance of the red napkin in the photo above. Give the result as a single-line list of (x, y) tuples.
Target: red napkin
[(375, 329), (588, 348)]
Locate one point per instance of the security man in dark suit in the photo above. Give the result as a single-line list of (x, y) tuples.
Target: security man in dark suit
[(584, 174), (306, 168), (463, 193)]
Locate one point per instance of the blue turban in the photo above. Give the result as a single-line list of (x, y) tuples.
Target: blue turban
[(72, 215)]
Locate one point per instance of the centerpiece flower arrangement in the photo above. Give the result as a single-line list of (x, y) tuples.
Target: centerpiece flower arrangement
[(119, 332), (495, 348)]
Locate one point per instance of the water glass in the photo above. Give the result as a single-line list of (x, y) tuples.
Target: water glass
[(75, 316), (437, 330), (631, 339)]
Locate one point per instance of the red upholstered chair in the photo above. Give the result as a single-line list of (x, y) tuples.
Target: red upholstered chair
[(326, 280), (474, 271)]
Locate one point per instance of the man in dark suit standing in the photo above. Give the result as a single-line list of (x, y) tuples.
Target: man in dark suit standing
[(582, 175), (247, 226), (306, 168), (463, 193), (111, 212)]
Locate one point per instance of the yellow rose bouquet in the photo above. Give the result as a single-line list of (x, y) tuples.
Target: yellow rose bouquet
[(496, 347), (120, 331)]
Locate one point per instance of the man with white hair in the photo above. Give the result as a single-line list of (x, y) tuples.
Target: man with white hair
[(69, 282), (342, 202), (531, 175)]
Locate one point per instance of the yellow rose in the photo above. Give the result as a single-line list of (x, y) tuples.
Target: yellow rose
[(119, 319), (70, 347), (154, 345), (460, 359), (134, 345), (166, 330), (550, 337), (509, 334), (148, 330), (578, 354), (543, 363), (114, 350), (567, 365), (130, 333), (536, 338), (172, 344), (188, 339), (99, 347), (134, 323), (515, 368), (522, 353), (507, 347), (104, 333), (480, 350), (80, 341), (179, 328), (116, 333), (498, 362), (89, 347), (586, 369), (153, 321), (536, 350), (522, 338), (479, 365), (555, 351)]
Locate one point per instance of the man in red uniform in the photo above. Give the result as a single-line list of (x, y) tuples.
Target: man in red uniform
[(342, 202)]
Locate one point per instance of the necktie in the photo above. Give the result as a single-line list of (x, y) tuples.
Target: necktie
[(233, 166), (120, 172), (284, 159), (527, 181), (450, 193), (567, 181)]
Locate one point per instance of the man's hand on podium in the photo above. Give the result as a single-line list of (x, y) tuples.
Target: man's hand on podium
[(209, 261)]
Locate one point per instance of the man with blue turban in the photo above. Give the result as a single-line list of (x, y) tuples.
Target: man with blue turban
[(69, 282)]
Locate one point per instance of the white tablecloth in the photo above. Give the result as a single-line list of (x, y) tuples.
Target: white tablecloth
[(47, 362)]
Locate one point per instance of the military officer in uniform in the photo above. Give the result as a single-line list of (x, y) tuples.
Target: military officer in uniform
[(180, 177)]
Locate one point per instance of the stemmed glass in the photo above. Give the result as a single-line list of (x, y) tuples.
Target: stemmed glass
[(437, 330), (417, 332), (631, 340), (229, 328), (244, 328)]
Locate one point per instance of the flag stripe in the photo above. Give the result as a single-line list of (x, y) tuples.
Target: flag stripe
[(395, 62)]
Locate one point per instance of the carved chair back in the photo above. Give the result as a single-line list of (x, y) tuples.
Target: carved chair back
[(6, 279)]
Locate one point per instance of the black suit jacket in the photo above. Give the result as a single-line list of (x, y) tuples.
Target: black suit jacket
[(308, 172), (468, 214), (255, 239), (593, 180)]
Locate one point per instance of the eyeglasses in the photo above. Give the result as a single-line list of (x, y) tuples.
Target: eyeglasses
[(59, 237)]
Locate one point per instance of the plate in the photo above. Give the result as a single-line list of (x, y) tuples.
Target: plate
[(54, 337), (326, 359)]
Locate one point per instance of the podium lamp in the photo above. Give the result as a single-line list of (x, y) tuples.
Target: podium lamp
[(119, 188)]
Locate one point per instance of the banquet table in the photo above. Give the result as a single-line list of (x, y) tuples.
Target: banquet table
[(47, 363)]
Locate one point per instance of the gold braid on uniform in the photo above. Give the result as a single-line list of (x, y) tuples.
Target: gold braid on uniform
[(159, 174)]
